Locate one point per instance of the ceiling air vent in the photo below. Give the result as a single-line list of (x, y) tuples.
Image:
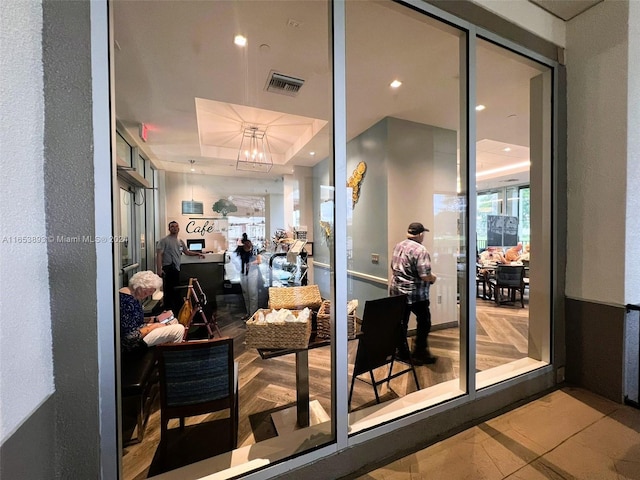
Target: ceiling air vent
[(284, 84)]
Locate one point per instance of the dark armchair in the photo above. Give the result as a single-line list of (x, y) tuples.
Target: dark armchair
[(197, 378), (510, 278)]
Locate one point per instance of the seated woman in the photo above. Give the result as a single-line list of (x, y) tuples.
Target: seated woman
[(513, 254), (133, 328)]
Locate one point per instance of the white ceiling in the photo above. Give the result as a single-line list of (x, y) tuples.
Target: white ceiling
[(178, 71)]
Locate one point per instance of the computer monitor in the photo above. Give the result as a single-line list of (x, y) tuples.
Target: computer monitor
[(195, 245)]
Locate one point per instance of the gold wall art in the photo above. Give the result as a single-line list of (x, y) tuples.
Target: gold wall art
[(355, 181)]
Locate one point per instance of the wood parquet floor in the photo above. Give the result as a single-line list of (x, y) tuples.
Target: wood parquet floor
[(268, 385)]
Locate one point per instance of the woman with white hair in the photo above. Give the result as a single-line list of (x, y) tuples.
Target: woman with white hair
[(133, 328)]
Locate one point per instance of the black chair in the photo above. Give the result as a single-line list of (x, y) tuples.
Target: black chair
[(197, 378), (511, 278), (139, 382), (378, 341)]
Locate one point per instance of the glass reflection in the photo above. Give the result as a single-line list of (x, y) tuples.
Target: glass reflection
[(512, 165), (402, 167), (178, 70)]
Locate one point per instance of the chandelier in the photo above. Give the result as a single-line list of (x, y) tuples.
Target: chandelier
[(254, 154)]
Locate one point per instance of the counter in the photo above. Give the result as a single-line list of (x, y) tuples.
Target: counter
[(210, 274)]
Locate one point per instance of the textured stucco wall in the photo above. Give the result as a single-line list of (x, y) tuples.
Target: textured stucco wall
[(632, 259), (26, 369), (597, 49)]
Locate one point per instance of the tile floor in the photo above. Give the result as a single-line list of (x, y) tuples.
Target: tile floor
[(568, 434)]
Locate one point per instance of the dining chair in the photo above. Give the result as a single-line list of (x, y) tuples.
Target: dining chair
[(196, 378), (378, 340), (481, 279), (511, 278)]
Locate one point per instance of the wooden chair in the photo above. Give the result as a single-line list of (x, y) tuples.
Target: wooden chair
[(197, 378), (511, 278), (192, 312), (378, 340)]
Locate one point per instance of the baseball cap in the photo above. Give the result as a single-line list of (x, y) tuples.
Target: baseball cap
[(416, 228)]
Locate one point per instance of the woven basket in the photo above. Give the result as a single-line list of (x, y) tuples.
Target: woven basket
[(295, 298), (324, 322), (294, 335)]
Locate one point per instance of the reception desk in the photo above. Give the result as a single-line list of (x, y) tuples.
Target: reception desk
[(210, 274)]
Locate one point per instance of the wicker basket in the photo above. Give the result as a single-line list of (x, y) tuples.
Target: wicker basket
[(324, 322), (294, 335), (295, 298)]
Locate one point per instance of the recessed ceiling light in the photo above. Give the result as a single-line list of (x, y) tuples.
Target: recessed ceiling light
[(479, 108), (507, 149), (395, 84), (312, 153), (240, 40)]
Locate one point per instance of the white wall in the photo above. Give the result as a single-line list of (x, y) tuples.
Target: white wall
[(597, 152), (26, 366), (208, 189), (530, 17), (422, 163)]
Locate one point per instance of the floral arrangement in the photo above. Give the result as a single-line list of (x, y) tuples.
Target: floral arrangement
[(281, 238), (327, 231)]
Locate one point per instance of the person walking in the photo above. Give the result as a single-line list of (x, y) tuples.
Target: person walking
[(168, 253), (250, 275), (411, 276)]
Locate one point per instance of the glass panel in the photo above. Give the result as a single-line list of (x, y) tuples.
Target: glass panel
[(513, 158), (403, 164), (123, 151), (141, 166), (126, 226), (278, 86)]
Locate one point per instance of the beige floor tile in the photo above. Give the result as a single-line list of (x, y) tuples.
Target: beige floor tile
[(612, 438), (628, 470), (549, 421), (461, 461), (536, 471), (570, 434), (573, 460)]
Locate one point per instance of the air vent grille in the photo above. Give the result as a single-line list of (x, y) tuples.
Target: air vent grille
[(283, 84)]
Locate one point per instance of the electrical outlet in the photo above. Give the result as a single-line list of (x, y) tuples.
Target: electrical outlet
[(560, 375), (375, 258), (439, 299)]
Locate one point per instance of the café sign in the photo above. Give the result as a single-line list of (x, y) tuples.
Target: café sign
[(205, 227)]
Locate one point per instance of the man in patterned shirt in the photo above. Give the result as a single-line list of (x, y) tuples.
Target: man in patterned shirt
[(411, 276)]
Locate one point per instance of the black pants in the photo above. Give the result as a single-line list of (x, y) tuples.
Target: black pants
[(172, 298), (423, 318)]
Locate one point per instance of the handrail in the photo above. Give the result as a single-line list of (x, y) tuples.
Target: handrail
[(128, 268), (353, 273)]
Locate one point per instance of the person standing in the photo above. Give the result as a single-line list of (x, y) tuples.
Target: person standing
[(411, 276), (168, 254)]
